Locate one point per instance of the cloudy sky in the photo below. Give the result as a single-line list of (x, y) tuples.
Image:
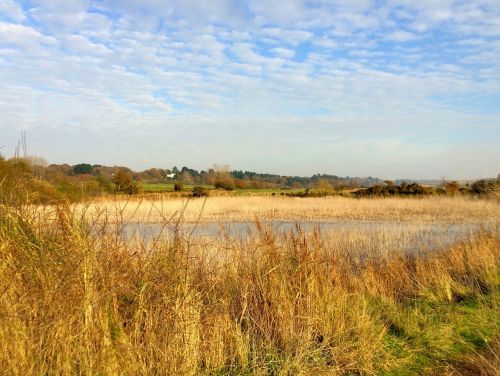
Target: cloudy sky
[(395, 88)]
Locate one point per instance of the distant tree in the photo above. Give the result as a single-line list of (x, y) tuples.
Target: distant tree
[(152, 174), (34, 160), (122, 180), (192, 172), (222, 177), (225, 183), (123, 183), (241, 183), (323, 186), (257, 182), (37, 164), (186, 177), (104, 184), (82, 169)]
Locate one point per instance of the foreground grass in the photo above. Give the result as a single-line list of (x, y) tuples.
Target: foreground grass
[(75, 298)]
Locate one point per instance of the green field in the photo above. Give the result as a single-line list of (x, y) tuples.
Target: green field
[(267, 191), (169, 187)]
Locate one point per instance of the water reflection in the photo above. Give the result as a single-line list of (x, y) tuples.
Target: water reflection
[(380, 235)]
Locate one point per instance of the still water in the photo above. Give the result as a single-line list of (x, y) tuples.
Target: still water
[(381, 235)]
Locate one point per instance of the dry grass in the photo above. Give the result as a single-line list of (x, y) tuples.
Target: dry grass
[(76, 298), (430, 209)]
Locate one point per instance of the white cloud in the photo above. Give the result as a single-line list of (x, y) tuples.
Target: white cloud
[(283, 52), (326, 43), (11, 10), (278, 12), (286, 35), (18, 34), (400, 36), (80, 44)]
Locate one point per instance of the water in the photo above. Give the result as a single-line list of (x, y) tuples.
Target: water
[(374, 235)]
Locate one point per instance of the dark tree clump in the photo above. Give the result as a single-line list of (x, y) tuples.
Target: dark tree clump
[(83, 169)]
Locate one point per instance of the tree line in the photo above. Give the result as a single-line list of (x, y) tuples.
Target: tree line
[(55, 181)]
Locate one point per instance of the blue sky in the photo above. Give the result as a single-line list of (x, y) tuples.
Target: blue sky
[(394, 88)]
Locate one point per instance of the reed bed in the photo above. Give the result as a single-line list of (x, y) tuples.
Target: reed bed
[(217, 209), (76, 297)]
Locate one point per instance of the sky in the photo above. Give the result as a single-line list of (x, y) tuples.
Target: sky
[(393, 89)]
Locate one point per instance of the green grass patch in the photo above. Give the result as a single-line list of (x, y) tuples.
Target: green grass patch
[(168, 187), (423, 336), (267, 191)]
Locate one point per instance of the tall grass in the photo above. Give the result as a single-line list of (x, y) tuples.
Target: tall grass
[(428, 209), (78, 298)]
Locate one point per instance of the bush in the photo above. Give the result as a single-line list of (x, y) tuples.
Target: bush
[(323, 187), (391, 189), (452, 187), (134, 188), (485, 187), (226, 184), (123, 183), (17, 182), (241, 183), (199, 192), (179, 186)]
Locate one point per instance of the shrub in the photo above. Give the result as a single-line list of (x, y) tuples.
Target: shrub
[(452, 187), (225, 183), (124, 183), (241, 183), (134, 188), (104, 184), (179, 186), (391, 189), (199, 191), (485, 187), (323, 186), (17, 182)]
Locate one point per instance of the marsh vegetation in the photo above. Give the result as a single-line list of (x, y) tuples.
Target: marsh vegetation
[(78, 297)]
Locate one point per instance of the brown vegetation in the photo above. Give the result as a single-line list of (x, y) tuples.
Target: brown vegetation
[(442, 209), (76, 298)]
